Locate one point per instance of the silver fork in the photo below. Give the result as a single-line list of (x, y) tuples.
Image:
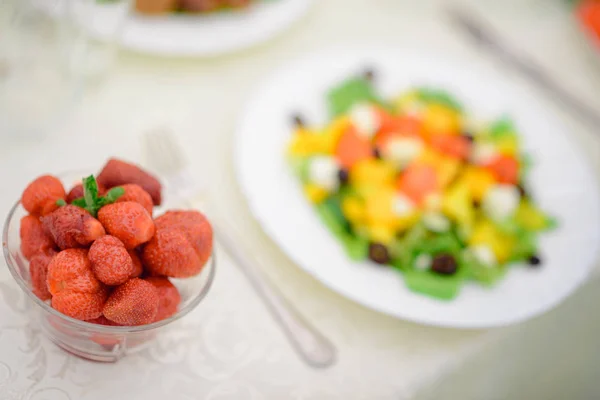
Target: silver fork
[(166, 157)]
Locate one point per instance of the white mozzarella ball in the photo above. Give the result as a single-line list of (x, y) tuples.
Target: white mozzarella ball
[(423, 262), (484, 255), (483, 153), (403, 150), (436, 221), (402, 206), (323, 171), (501, 201), (365, 120)]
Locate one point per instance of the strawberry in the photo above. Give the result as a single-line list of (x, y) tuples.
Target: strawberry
[(38, 271), (33, 236), (133, 303), (102, 320), (71, 226), (82, 306), (136, 193), (117, 172), (170, 253), (41, 195), (75, 290), (71, 270), (169, 297), (194, 225), (77, 192), (110, 261), (128, 221), (138, 267)]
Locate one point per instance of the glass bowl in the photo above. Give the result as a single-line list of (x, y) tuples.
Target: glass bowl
[(84, 339)]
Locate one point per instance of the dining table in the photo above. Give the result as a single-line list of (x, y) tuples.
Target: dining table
[(230, 347)]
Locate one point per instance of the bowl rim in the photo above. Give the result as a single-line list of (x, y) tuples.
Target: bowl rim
[(210, 264)]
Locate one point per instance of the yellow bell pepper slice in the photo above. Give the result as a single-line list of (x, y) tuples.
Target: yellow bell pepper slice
[(381, 233), (441, 119), (315, 194), (457, 204), (507, 145), (354, 210), (478, 180), (486, 233), (372, 172), (379, 206)]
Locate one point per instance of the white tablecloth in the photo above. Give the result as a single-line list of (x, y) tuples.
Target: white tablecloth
[(229, 348)]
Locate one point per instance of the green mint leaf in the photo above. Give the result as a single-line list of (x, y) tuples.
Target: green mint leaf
[(61, 202), (80, 202), (114, 193), (90, 192), (111, 196)]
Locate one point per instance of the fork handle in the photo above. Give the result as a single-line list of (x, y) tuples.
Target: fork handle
[(311, 345)]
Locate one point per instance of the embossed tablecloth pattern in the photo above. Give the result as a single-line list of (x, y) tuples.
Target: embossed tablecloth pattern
[(227, 348)]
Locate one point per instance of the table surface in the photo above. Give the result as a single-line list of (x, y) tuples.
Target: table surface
[(229, 347)]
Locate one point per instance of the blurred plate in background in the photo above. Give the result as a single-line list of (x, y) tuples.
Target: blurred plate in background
[(560, 181), (211, 34)]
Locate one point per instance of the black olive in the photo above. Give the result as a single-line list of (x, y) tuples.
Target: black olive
[(469, 137), (379, 253), (376, 153), (369, 74), (444, 264), (343, 176), (534, 261), (522, 191), (298, 121)]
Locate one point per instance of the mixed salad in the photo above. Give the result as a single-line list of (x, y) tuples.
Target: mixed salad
[(153, 7), (588, 14), (412, 183)]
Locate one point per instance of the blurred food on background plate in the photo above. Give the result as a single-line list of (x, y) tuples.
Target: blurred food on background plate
[(413, 182), (588, 14), (191, 6)]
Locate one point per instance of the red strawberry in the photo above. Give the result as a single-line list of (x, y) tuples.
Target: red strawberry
[(128, 221), (38, 271), (194, 225), (77, 192), (33, 236), (170, 253), (75, 290), (110, 260), (133, 303), (41, 195), (83, 306), (71, 226), (117, 172), (169, 297), (136, 193), (102, 320), (138, 268), (71, 270)]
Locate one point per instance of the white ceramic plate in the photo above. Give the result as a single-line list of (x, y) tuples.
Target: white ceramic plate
[(561, 181), (211, 34)]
